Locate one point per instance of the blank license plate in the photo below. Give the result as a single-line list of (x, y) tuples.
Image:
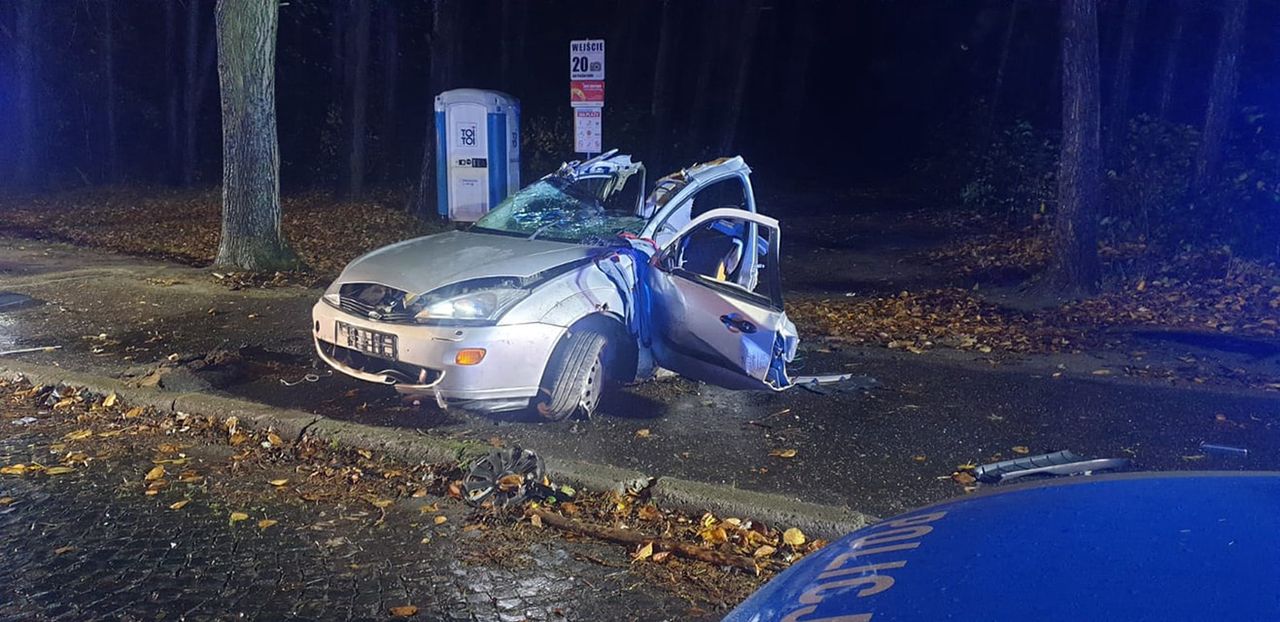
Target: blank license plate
[(371, 342)]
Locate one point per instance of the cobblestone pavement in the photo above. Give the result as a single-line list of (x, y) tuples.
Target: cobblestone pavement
[(89, 545)]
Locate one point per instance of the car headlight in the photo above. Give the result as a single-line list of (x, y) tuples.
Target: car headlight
[(483, 300)]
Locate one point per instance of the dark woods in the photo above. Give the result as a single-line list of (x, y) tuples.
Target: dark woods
[(1148, 120)]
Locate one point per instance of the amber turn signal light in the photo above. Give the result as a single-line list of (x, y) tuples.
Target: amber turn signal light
[(469, 356)]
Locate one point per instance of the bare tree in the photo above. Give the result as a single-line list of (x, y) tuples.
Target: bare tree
[(359, 98), (390, 53), (1118, 121), (515, 15), (1075, 267), (1222, 93), (802, 40), (1173, 49), (251, 234), (659, 103), (1002, 66), (199, 66), (109, 76), (171, 82), (443, 42), (748, 26), (24, 44)]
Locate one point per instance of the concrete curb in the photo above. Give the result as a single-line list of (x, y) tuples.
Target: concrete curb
[(817, 521)]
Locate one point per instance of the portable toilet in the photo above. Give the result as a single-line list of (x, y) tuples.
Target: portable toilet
[(477, 151)]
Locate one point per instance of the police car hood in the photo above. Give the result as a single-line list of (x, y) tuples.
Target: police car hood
[(1139, 546), (422, 264)]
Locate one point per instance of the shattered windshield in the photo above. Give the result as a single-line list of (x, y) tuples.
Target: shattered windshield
[(560, 209)]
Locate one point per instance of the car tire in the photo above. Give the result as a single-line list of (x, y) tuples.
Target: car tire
[(575, 378)]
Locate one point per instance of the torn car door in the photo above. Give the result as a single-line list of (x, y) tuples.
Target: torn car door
[(716, 302)]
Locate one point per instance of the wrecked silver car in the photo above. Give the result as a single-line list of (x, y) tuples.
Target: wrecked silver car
[(576, 282)]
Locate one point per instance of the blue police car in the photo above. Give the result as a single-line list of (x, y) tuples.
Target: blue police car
[(1132, 546)]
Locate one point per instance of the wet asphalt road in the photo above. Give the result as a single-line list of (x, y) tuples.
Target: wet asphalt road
[(879, 450)]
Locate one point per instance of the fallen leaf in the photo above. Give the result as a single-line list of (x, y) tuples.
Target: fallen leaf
[(382, 504), (764, 551), (155, 473), (278, 482), (536, 521), (59, 470), (274, 439), (365, 453), (648, 513), (661, 556), (62, 550), (238, 516), (1101, 372), (178, 505), (440, 520), (793, 537), (919, 457), (642, 433), (266, 522), (136, 411), (13, 469), (78, 435), (783, 453), (963, 478), (1021, 449), (404, 611), (644, 552), (510, 482), (5, 501), (430, 508), (110, 400)]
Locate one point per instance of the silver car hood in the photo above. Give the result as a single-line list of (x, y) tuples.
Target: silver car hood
[(422, 264)]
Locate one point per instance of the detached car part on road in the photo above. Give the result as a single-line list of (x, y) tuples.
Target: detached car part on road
[(576, 281)]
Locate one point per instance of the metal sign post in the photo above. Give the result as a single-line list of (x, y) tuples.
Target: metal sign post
[(586, 94)]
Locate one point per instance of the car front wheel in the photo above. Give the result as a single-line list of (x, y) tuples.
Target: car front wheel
[(575, 377)]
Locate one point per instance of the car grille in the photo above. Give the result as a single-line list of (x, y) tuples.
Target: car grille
[(376, 302)]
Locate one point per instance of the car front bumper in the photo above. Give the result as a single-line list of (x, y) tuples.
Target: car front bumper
[(515, 358)]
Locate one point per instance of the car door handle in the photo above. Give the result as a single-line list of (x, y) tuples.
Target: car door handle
[(737, 325)]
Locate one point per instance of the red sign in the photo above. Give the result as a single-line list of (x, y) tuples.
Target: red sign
[(586, 92)]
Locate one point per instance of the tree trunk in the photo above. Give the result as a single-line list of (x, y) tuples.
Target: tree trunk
[(746, 44), (337, 50), (802, 39), (390, 52), (251, 234), (659, 104), (1222, 93), (711, 56), (171, 85), (109, 76), (25, 61), (1006, 43), (359, 99), (515, 15), (1169, 73), (190, 103), (1118, 121), (1079, 172), (443, 41)]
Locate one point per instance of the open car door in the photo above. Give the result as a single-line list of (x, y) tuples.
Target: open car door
[(716, 302)]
